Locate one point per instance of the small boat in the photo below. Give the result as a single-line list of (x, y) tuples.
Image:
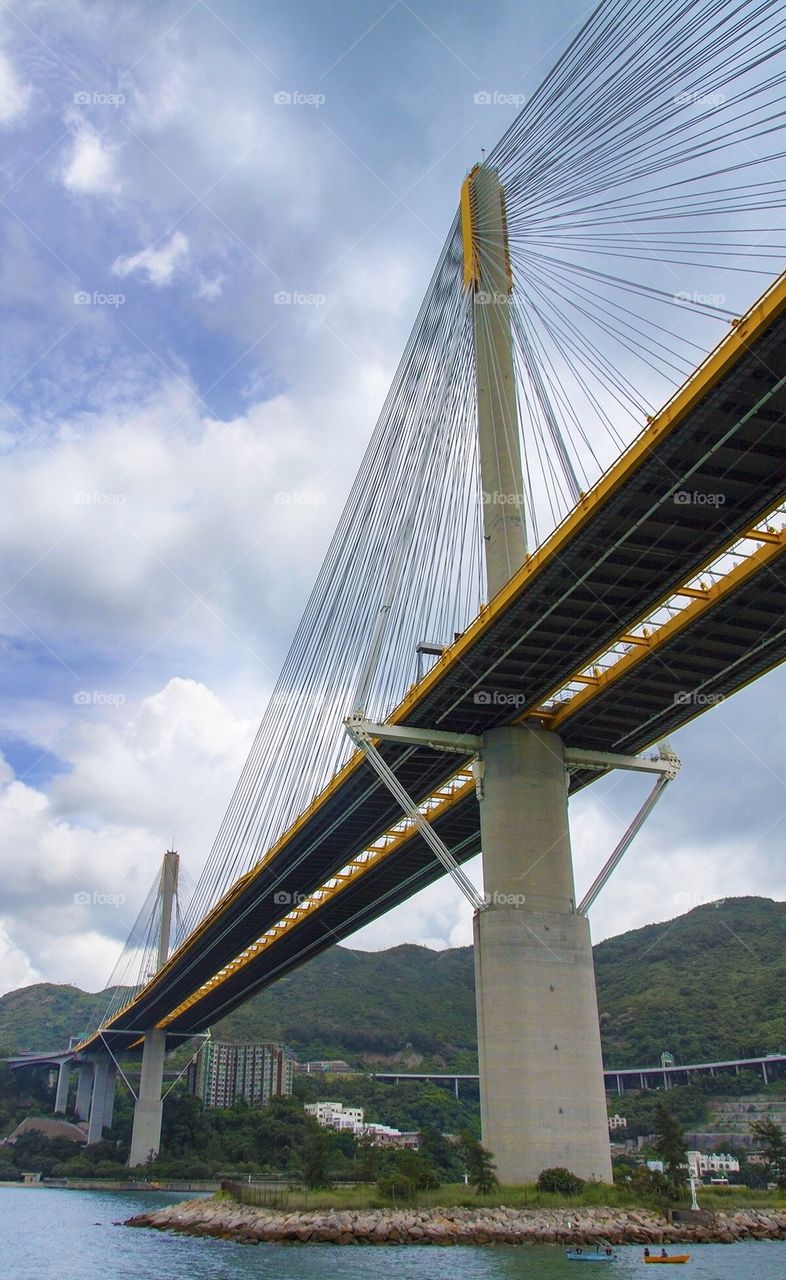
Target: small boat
[(670, 1257), (590, 1255)]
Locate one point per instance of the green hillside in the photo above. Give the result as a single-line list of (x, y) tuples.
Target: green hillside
[(709, 984), (45, 1015)]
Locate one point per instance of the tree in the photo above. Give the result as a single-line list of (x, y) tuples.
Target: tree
[(367, 1158), (441, 1152), (315, 1160), (481, 1169), (670, 1146), (560, 1180), (771, 1141)]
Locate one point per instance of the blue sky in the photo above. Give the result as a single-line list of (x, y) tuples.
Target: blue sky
[(168, 170)]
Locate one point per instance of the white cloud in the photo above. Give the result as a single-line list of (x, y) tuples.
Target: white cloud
[(14, 95), (158, 265), (91, 168), (151, 524), (92, 845), (15, 967)]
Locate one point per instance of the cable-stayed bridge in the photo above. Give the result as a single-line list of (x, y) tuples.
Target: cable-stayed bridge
[(565, 541)]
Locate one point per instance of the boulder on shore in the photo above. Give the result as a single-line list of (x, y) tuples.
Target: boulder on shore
[(587, 1227)]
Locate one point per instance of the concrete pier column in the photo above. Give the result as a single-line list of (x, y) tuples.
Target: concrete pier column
[(146, 1134), (84, 1089), (63, 1082), (95, 1124), (109, 1100), (542, 1091)]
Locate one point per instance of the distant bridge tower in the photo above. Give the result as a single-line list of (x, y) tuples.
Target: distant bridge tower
[(146, 1133), (541, 1071)]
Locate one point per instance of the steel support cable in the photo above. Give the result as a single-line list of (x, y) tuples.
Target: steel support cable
[(331, 565), (540, 346), (594, 162), (644, 351), (531, 353), (613, 106), (654, 346), (593, 90), (531, 365), (637, 208), (747, 125), (464, 622), (565, 346)]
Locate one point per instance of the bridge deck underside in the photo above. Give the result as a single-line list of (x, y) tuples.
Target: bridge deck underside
[(634, 548), (742, 637)]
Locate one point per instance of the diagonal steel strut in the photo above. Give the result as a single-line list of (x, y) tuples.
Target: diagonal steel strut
[(357, 729)]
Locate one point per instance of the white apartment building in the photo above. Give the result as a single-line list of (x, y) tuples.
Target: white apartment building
[(334, 1115)]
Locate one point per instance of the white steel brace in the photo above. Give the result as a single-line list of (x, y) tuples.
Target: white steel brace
[(361, 732), (464, 744), (666, 765), (665, 762)]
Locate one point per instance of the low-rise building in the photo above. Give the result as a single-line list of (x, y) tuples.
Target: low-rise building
[(618, 1122), (334, 1115), (713, 1164)]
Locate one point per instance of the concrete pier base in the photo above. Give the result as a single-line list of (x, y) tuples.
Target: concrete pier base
[(146, 1134), (541, 1072), (63, 1083)]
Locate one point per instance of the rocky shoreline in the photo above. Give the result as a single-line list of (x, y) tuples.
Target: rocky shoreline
[(246, 1224)]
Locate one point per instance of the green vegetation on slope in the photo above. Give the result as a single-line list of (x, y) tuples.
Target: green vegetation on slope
[(708, 985)]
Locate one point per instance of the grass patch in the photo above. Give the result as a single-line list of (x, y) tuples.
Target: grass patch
[(457, 1195)]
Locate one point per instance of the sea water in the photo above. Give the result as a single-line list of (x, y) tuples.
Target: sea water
[(54, 1234)]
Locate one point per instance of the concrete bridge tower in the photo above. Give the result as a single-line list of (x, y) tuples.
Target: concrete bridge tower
[(541, 1072), (146, 1133)]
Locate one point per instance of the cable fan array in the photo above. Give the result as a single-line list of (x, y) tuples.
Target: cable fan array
[(139, 957), (637, 181), (404, 566)]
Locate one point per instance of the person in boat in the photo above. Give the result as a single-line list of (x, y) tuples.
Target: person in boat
[(646, 1253), (663, 1253)]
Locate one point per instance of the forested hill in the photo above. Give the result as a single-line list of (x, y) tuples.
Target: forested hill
[(709, 984)]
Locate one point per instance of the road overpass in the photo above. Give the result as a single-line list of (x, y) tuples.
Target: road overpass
[(770, 1067)]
